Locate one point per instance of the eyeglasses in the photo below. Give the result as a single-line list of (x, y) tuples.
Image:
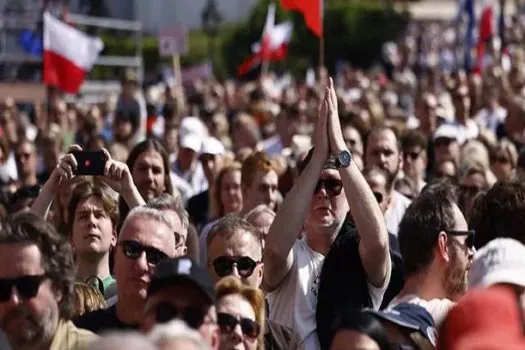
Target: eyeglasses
[(379, 196), (471, 235), (26, 286), (333, 187), (192, 315), (227, 324), (223, 266), (133, 249), (500, 159)]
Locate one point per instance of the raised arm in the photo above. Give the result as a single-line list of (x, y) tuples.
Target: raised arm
[(365, 210), (288, 223)]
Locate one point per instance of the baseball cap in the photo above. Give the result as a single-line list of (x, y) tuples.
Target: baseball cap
[(212, 146), (191, 141), (182, 269), (411, 316), (446, 131), (482, 312), (502, 260)]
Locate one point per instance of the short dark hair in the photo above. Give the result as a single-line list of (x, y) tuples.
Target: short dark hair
[(382, 128), (430, 213), (230, 224), (100, 191), (413, 138), (57, 255), (166, 201), (500, 213)]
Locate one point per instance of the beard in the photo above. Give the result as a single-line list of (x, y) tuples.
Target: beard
[(35, 330), (455, 277)]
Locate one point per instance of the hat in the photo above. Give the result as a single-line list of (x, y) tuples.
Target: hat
[(410, 316), (482, 312), (193, 125), (192, 142), (446, 131), (182, 269), (502, 260), (212, 146)]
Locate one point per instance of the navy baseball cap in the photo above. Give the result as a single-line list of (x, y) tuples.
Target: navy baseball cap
[(411, 316), (169, 272)]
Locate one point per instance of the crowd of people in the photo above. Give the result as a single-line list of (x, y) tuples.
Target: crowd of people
[(381, 209)]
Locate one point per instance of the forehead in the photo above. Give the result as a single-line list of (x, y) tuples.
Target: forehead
[(175, 219), (236, 305), (25, 147), (91, 203), (20, 259), (150, 157), (382, 139), (265, 177), (240, 243), (231, 177), (461, 222), (350, 131), (148, 231)]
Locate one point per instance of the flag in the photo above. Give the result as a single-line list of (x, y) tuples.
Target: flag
[(487, 29), (68, 54), (311, 10), (273, 45)]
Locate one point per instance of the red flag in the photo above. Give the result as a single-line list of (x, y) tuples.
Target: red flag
[(311, 10)]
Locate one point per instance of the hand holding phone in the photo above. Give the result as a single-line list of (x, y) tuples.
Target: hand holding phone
[(90, 162)]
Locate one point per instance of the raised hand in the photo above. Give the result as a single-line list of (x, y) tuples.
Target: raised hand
[(117, 175), (335, 135), (64, 173), (321, 130)]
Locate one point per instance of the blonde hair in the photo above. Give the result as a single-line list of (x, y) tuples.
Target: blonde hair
[(233, 286), (87, 299)]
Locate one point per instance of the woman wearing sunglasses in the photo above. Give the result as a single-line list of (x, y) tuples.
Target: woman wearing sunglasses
[(240, 315)]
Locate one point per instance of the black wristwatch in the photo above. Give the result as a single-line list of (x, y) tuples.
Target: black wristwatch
[(344, 159)]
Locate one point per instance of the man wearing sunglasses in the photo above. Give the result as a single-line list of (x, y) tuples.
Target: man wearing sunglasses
[(415, 145), (147, 237), (36, 286), (329, 185), (235, 249), (437, 249), (181, 289)]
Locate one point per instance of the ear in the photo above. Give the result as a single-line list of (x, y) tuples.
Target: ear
[(113, 239), (215, 339), (260, 272), (442, 249), (184, 250)]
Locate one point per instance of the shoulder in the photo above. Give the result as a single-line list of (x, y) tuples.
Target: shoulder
[(278, 336), (96, 320)]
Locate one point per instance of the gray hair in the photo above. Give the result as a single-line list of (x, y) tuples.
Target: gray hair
[(150, 213), (122, 341), (255, 212), (165, 201), (176, 330)]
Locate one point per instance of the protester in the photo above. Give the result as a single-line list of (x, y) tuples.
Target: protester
[(240, 315), (292, 266), (146, 238), (181, 289), (37, 263), (437, 249), (235, 249)]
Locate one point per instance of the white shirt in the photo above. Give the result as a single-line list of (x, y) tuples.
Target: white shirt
[(490, 119), (438, 308), (294, 302), (395, 213)]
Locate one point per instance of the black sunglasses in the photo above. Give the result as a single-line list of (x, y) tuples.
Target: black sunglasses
[(133, 249), (333, 187), (223, 265), (471, 235), (192, 315), (227, 324), (26, 286)]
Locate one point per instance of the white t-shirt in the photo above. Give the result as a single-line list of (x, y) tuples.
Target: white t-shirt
[(294, 302), (395, 213), (438, 308)]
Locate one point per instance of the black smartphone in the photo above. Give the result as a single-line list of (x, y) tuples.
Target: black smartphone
[(90, 162)]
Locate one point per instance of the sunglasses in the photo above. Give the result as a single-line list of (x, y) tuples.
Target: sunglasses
[(227, 324), (501, 160), (23, 155), (471, 235), (133, 250), (192, 315), (333, 187), (223, 266), (26, 286)]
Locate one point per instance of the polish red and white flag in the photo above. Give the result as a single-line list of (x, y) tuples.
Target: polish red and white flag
[(68, 54)]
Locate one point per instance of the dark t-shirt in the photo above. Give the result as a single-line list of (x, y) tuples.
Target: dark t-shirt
[(279, 337), (102, 321)]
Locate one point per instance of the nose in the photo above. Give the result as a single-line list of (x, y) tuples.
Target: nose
[(235, 271), (149, 176), (322, 191), (14, 298), (141, 263), (237, 334)]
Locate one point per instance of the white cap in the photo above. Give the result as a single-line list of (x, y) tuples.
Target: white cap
[(212, 146), (446, 131), (193, 125), (502, 260), (191, 141)]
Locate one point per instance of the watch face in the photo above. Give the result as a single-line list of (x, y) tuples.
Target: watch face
[(345, 158)]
